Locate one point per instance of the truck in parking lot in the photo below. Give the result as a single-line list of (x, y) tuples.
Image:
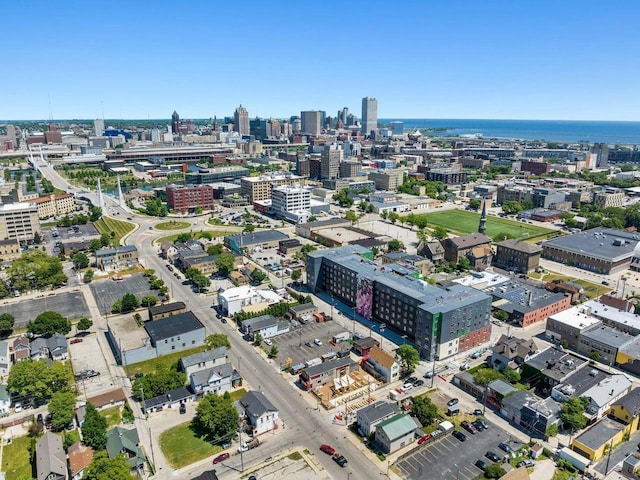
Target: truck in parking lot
[(341, 337)]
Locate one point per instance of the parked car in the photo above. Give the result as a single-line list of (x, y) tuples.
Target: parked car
[(76, 340), (494, 457), (418, 383), (452, 402), (317, 342), (505, 447), (483, 422), (412, 379), (526, 463), (424, 438), (407, 386), (481, 464), (221, 458), (469, 427), (183, 409), (340, 460), (268, 342), (308, 344), (329, 450), (477, 412), (459, 435)]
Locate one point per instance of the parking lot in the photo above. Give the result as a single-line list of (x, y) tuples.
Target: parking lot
[(87, 355), (449, 458), (68, 304), (293, 345), (107, 291)]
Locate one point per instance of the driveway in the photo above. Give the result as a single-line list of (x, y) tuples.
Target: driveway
[(543, 470)]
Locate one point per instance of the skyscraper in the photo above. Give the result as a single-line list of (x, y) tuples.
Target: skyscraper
[(602, 150), (330, 159), (311, 122), (175, 123), (241, 121), (98, 127), (369, 115)]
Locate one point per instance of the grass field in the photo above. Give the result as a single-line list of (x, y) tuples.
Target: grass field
[(181, 447), (73, 435), (161, 363), (196, 235), (172, 225), (108, 225), (112, 415), (15, 459), (461, 222)]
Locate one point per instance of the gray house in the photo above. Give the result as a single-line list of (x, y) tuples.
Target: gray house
[(203, 360), (395, 432), (368, 417), (259, 412), (57, 345), (218, 379), (266, 325), (4, 357), (39, 348), (511, 352), (51, 460), (175, 333)]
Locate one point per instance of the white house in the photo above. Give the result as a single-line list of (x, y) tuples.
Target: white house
[(266, 325), (203, 360), (234, 299), (383, 364), (608, 391), (259, 412), (4, 358), (217, 379), (5, 400)]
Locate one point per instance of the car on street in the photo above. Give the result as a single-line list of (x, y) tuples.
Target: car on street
[(221, 458), (452, 402), (328, 449), (494, 457), (76, 340), (481, 464), (477, 412), (469, 427), (340, 460), (459, 435)]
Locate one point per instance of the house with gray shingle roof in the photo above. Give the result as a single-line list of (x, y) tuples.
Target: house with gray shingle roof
[(57, 346), (218, 379), (4, 357), (51, 461), (203, 360), (368, 417), (259, 412)]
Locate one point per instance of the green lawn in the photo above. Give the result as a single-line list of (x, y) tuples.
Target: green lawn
[(161, 363), (16, 460), (172, 225), (108, 225), (591, 290), (74, 435), (462, 222), (197, 235), (237, 395), (112, 414), (181, 447)]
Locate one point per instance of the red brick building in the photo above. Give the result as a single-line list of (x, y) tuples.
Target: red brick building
[(185, 198)]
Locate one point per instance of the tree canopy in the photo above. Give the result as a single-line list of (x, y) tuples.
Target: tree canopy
[(35, 269), (225, 263), (158, 383), (37, 380), (424, 410), (395, 245), (49, 323), (409, 357), (61, 408), (94, 429), (485, 376), (216, 417), (84, 324), (440, 233), (6, 324), (105, 468), (572, 413), (80, 261)]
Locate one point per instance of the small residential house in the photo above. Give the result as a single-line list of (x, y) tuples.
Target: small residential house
[(218, 379), (433, 251), (203, 360), (395, 433), (171, 399), (605, 393), (259, 412), (5, 401), (126, 442), (335, 372), (368, 417), (627, 409), (21, 349), (166, 310), (80, 457), (511, 352), (108, 399), (39, 348), (57, 346), (363, 346), (4, 358), (266, 325), (109, 258), (81, 413), (382, 365), (51, 460)]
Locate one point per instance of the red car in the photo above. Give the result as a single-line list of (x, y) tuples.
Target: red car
[(424, 439), (327, 449), (221, 458), (76, 340)]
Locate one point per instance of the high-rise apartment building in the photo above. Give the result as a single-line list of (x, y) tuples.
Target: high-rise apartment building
[(241, 121), (98, 127), (290, 199), (175, 123), (330, 159), (311, 122), (369, 115), (259, 188)]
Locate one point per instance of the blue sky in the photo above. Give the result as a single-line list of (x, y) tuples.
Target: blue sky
[(508, 59)]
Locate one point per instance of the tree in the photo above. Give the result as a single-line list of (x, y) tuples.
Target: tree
[(249, 228), (49, 323), (511, 375), (216, 417), (6, 324), (395, 245), (104, 468), (129, 302), (157, 383), (572, 413), (485, 376), (80, 261), (343, 198), (308, 248), (495, 470), (94, 429), (37, 238), (149, 301), (594, 355), (35, 270), (84, 324), (105, 239), (273, 353), (296, 275), (225, 263), (95, 213), (464, 264), (217, 340), (257, 339), (552, 430), (393, 217), (37, 380), (501, 315), (501, 236), (183, 237), (511, 207), (424, 410), (409, 357), (201, 282), (440, 233), (258, 276), (61, 408), (88, 276), (474, 204), (351, 216), (95, 244), (215, 249)]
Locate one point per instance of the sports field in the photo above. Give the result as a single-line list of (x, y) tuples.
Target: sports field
[(462, 222)]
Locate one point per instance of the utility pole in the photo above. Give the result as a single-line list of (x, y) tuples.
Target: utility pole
[(433, 371)]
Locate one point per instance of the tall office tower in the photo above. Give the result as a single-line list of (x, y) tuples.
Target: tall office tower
[(369, 115), (343, 115), (330, 159), (241, 121), (297, 125), (311, 122), (323, 118), (175, 123), (602, 149), (351, 120), (98, 127)]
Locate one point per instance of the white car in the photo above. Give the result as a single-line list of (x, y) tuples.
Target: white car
[(243, 448), (407, 386), (268, 342), (317, 342)]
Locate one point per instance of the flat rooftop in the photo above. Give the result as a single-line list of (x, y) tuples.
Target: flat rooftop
[(128, 335), (343, 235), (612, 314), (608, 336), (600, 243), (522, 297), (556, 364), (600, 433), (576, 317)]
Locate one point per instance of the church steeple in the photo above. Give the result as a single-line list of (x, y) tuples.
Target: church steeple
[(482, 228)]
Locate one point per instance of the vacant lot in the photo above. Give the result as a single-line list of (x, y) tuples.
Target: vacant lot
[(15, 459), (459, 221), (181, 447), (591, 290), (107, 291), (161, 363)]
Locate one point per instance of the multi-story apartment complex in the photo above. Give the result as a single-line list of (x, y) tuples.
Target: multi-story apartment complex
[(290, 200), (184, 198), (311, 122), (387, 179), (369, 115), (259, 188), (19, 221), (609, 198), (241, 121), (54, 205), (349, 169), (213, 175), (517, 256), (330, 159), (440, 322)]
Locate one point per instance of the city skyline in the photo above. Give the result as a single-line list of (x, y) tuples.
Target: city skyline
[(561, 61)]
